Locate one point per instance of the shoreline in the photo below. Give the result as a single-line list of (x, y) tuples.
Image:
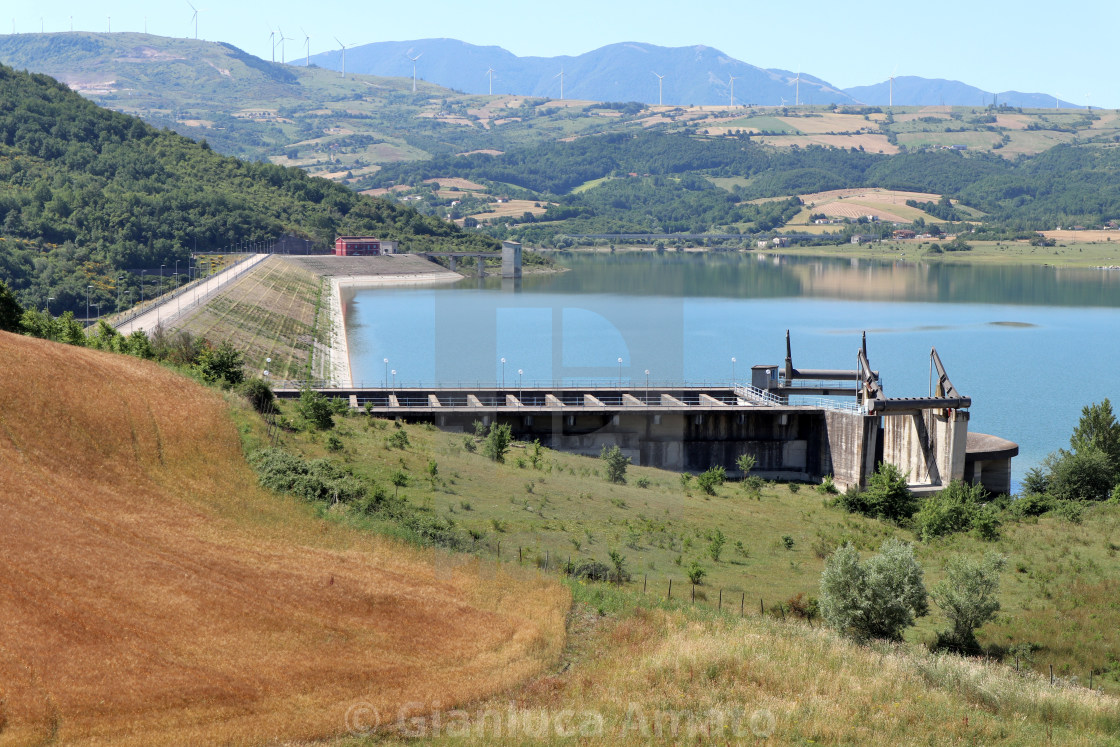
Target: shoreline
[(340, 373)]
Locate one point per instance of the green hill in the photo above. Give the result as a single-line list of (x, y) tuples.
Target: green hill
[(86, 193)]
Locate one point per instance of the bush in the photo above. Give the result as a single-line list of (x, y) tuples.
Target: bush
[(711, 479), (802, 606), (497, 442), (952, 510), (590, 570), (221, 365), (696, 573), (827, 486), (259, 394), (878, 598), (398, 439), (11, 313), (715, 545), (1031, 504), (315, 480), (1083, 475), (887, 496), (968, 597), (745, 463), (315, 409), (616, 463)]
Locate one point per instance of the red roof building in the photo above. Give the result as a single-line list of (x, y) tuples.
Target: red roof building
[(363, 246)]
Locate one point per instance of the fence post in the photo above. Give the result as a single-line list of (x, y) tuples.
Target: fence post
[(761, 608), (1051, 674), (499, 549), (720, 607), (519, 553), (670, 589), (645, 577), (694, 593), (742, 604), (546, 560)]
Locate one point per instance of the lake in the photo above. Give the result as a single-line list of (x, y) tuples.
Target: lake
[(1030, 345)]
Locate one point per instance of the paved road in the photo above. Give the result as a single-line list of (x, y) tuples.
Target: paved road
[(174, 308)]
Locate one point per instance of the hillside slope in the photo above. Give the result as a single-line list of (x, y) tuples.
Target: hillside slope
[(151, 592)]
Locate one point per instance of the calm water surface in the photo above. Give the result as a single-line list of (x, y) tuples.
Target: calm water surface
[(1030, 345)]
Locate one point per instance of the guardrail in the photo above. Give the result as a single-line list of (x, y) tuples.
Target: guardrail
[(636, 387), (761, 396)]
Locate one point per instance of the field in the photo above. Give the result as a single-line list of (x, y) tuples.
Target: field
[(152, 593), (1057, 587), (983, 252), (856, 203)]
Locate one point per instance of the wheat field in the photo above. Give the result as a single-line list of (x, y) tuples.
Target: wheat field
[(152, 593)]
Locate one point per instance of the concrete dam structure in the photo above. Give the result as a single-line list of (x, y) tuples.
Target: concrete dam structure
[(692, 428)]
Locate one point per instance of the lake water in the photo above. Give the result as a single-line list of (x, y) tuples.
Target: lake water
[(1030, 345)]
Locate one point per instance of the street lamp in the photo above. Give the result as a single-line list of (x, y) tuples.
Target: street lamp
[(268, 364), (385, 381), (620, 372), (503, 373), (519, 385), (161, 279), (733, 372), (647, 386), (142, 273), (394, 372), (88, 287), (49, 299)]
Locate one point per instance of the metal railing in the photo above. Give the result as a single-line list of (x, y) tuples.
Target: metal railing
[(760, 396)]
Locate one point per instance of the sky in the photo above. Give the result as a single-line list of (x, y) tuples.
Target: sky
[(997, 45)]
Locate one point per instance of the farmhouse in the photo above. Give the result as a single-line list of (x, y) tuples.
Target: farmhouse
[(363, 246)]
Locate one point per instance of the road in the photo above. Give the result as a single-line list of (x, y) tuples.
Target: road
[(190, 298)]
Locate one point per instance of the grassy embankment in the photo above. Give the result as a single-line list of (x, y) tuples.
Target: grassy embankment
[(1057, 593), (153, 593)]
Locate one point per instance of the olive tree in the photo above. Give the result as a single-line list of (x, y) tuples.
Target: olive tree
[(877, 598), (968, 597)]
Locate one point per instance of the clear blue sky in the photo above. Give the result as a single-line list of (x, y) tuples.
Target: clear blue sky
[(1066, 49)]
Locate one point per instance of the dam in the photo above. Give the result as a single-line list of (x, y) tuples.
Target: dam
[(800, 425)]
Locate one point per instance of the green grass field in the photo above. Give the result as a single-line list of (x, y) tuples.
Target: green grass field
[(1058, 592)]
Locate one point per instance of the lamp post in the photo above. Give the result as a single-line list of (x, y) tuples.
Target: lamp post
[(733, 372), (176, 273), (519, 385), (394, 372), (647, 386), (178, 298), (385, 381), (503, 373), (161, 279), (142, 273), (49, 299), (620, 372), (268, 364), (88, 287)]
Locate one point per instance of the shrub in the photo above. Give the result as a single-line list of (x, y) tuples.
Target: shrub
[(590, 570), (745, 463), (642, 482), (877, 598), (497, 442), (221, 365), (802, 606), (696, 573), (793, 487), (711, 479), (1083, 475), (315, 409), (315, 480), (986, 523), (968, 597), (259, 394), (11, 313), (715, 546), (469, 444), (334, 443), (787, 541), (952, 510), (827, 486), (1031, 504), (620, 574), (887, 496), (616, 463), (398, 439)]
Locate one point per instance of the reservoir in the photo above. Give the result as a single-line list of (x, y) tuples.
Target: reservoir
[(1031, 345)]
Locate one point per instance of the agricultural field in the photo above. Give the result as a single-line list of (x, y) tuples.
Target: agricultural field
[(155, 594)]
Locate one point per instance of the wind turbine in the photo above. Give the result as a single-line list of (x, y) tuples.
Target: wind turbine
[(194, 18), (343, 56), (272, 43), (660, 78), (306, 47), (560, 75), (283, 55), (731, 80), (890, 99), (110, 22), (797, 90), (490, 74), (414, 59)]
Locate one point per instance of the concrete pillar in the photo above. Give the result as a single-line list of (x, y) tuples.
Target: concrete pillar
[(929, 445), (481, 266), (511, 259), (451, 263), (851, 443)]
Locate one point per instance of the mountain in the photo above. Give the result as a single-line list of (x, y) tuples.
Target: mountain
[(86, 192), (618, 72), (911, 90)]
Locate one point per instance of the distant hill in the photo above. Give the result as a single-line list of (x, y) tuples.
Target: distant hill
[(911, 90), (618, 72)]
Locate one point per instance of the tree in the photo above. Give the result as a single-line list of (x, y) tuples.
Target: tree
[(1083, 475), (949, 511), (1098, 429), (745, 463), (619, 562), (315, 409), (878, 598), (616, 463), (497, 442), (715, 546), (968, 597), (221, 365), (11, 313), (258, 392)]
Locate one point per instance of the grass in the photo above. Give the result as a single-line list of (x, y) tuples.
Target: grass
[(566, 509), (152, 593), (983, 252)]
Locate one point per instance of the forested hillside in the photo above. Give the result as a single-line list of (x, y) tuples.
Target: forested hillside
[(86, 193)]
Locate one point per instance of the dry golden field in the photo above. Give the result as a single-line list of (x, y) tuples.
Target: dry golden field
[(152, 593)]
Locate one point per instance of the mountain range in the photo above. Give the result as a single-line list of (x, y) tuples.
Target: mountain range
[(629, 71)]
